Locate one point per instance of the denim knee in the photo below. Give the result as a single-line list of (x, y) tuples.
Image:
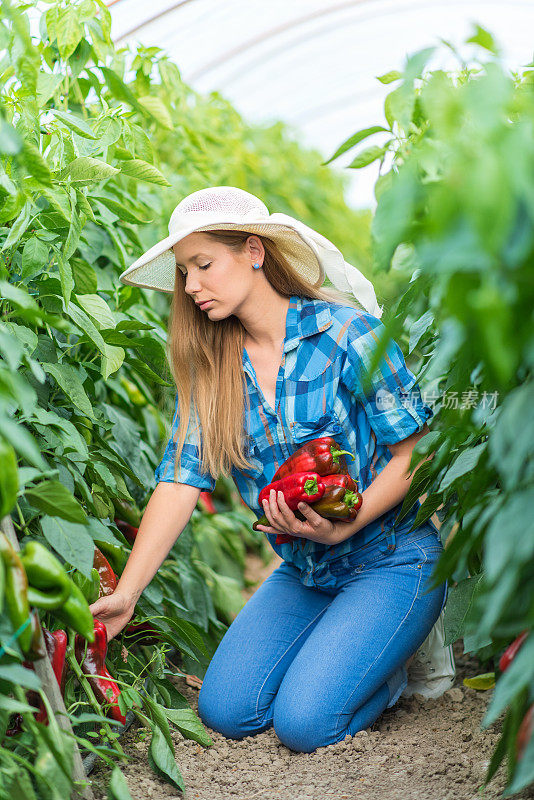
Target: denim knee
[(227, 716), (298, 731), (217, 715)]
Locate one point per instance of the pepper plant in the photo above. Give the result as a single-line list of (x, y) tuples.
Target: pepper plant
[(87, 134), (455, 217)]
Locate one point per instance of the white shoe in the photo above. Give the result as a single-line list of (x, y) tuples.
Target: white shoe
[(432, 670)]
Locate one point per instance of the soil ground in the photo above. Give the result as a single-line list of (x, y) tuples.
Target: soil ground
[(417, 750)]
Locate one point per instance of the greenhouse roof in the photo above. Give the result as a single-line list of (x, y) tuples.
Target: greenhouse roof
[(315, 64)]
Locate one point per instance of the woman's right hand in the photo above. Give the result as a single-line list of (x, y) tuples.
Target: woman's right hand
[(114, 610)]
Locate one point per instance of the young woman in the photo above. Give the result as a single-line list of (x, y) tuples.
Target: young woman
[(265, 360)]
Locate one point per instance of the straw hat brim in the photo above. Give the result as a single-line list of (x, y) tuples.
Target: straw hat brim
[(156, 269)]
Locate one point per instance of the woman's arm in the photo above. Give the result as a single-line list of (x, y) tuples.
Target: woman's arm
[(389, 488), (167, 513)]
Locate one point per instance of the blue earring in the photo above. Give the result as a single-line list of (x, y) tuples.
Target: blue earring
[(256, 266)]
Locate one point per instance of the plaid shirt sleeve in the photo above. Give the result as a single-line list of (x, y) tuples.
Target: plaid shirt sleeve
[(393, 400), (189, 467)]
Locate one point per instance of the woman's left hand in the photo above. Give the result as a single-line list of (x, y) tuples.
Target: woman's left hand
[(283, 520)]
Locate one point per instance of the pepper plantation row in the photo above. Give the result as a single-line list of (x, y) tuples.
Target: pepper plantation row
[(85, 389), (86, 394)]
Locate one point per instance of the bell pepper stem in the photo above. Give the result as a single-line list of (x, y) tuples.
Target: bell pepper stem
[(310, 486), (337, 453), (86, 686)]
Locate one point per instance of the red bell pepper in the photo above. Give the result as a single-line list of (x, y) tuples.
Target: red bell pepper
[(127, 530), (511, 651), (108, 579), (92, 662), (206, 503), (300, 487), (323, 456), (56, 647), (340, 500)]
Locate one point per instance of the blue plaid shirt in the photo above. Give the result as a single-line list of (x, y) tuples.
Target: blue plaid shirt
[(327, 348)]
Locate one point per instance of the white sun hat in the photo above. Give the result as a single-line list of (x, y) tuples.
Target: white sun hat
[(228, 208)]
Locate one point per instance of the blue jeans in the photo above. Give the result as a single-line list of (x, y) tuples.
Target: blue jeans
[(319, 663)]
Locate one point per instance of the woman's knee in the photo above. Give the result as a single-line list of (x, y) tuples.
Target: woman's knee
[(299, 727), (227, 712)]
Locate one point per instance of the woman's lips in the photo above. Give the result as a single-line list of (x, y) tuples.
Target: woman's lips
[(206, 304)]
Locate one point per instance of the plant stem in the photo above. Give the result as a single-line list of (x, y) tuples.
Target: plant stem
[(86, 686)]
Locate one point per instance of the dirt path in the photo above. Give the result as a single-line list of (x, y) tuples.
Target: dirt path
[(417, 750)]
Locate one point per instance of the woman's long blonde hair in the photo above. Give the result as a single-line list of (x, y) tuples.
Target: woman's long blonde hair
[(205, 359)]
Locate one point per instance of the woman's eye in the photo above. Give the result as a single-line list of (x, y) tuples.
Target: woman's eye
[(205, 265)]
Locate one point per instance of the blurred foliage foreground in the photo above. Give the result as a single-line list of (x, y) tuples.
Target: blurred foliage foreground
[(84, 379)]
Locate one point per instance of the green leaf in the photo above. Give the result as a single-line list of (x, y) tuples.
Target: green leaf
[(112, 360), (19, 226), (65, 276), (47, 85), (460, 601), (71, 540), (36, 164), (428, 508), (22, 441), (146, 372), (54, 499), (17, 674), (117, 787), (481, 682), (509, 540), (355, 139), (68, 378), (119, 89), (189, 724), (368, 155), (85, 170), (14, 706), (142, 171), (75, 228), (419, 328), (162, 760), (389, 77), (418, 486), (68, 31), (81, 319), (75, 123), (123, 213), (463, 464), (85, 206), (157, 108), (97, 308), (484, 39), (10, 141), (34, 257)]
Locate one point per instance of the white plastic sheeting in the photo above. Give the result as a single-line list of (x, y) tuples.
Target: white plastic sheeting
[(312, 63)]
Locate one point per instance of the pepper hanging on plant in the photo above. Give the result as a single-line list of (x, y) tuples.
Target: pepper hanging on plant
[(108, 579), (511, 651), (92, 663), (49, 584), (76, 614), (56, 647), (16, 592)]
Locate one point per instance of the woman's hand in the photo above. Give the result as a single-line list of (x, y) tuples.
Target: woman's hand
[(114, 610), (283, 520)]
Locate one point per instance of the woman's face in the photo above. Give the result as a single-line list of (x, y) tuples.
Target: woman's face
[(214, 272)]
